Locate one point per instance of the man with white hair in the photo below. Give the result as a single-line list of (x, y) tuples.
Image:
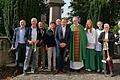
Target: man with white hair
[(78, 43), (107, 40), (32, 38), (62, 38)]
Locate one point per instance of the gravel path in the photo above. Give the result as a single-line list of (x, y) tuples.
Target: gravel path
[(81, 75), (71, 76)]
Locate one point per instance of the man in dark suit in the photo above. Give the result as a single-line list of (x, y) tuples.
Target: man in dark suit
[(107, 40), (32, 38), (62, 37)]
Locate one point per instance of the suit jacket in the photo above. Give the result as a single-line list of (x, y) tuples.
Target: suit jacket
[(50, 38), (28, 35), (43, 35), (16, 37), (59, 36), (110, 42)]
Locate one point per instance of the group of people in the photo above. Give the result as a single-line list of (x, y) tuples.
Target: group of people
[(85, 47)]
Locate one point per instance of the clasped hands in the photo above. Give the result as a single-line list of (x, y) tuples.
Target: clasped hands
[(33, 42), (62, 45)]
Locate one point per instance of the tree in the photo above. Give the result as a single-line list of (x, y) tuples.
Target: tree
[(79, 8), (115, 11), (99, 10), (2, 29), (107, 11), (15, 10)]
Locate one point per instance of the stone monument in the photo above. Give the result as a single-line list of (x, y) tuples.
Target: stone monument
[(55, 9), (4, 51)]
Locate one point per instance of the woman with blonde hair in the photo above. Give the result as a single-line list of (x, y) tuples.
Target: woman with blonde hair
[(90, 49)]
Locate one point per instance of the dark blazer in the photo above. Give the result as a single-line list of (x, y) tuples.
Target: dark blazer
[(42, 36), (59, 35), (16, 37), (28, 35), (111, 41), (50, 38)]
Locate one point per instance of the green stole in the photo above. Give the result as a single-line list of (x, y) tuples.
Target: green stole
[(83, 43)]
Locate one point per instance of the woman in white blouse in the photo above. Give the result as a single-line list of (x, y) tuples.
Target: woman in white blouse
[(90, 49)]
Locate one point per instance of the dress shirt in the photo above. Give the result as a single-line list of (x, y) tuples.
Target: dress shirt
[(63, 30), (21, 35), (34, 34)]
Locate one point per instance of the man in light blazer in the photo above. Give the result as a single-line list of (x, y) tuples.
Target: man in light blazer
[(18, 44)]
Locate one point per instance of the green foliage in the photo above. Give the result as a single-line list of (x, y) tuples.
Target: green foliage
[(99, 10), (107, 11), (80, 8), (114, 29), (15, 10), (1, 4), (2, 29)]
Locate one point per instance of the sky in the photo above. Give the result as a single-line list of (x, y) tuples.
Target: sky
[(65, 8)]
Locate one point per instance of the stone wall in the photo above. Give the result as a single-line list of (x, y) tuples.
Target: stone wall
[(4, 51)]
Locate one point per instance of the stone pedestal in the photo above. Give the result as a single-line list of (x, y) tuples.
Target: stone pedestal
[(55, 9), (4, 51)]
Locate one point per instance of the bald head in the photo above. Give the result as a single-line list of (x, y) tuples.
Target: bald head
[(58, 22), (40, 25), (100, 24)]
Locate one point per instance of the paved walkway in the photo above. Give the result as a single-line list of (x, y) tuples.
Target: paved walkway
[(73, 76), (82, 75)]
